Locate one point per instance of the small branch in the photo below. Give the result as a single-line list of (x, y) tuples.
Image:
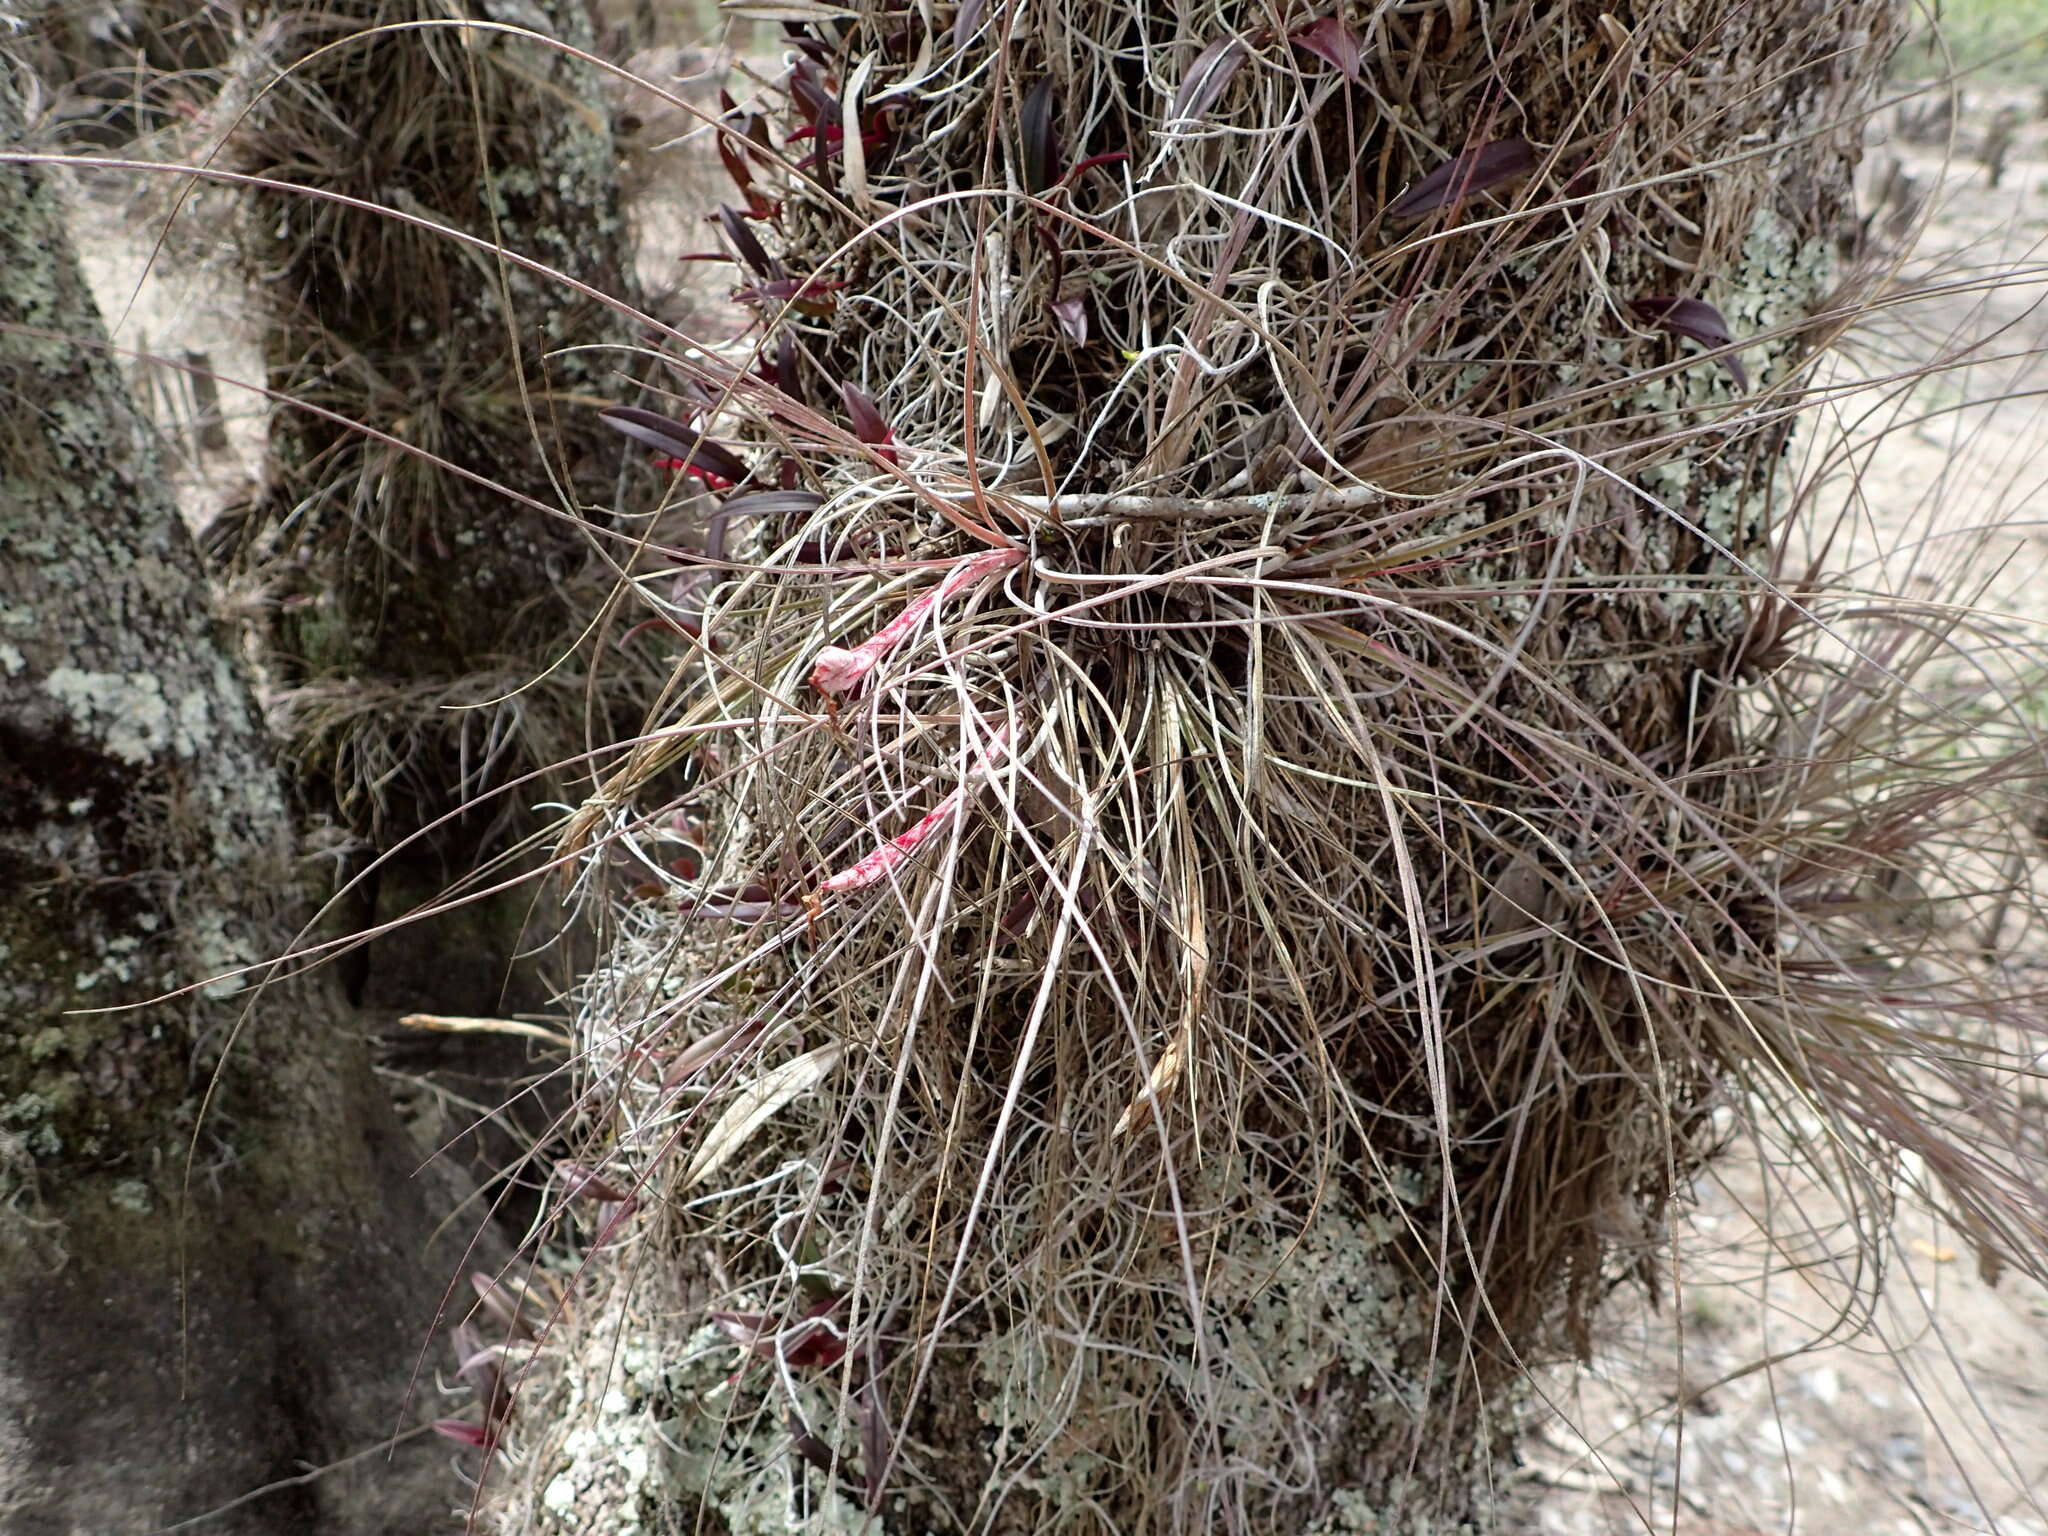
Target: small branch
[(1102, 508), (452, 1024)]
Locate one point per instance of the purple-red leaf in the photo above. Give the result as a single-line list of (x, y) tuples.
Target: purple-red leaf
[(477, 1363), (808, 296), (786, 289), (506, 1306), (967, 22), (582, 1182), (876, 1443), (1335, 44), (1213, 69), (1071, 316), (787, 379), (1474, 171), (743, 242), (677, 440), (1697, 320), (809, 1446), (808, 90), (1041, 138), (868, 425), (736, 164), (1109, 158), (462, 1432), (1016, 922)]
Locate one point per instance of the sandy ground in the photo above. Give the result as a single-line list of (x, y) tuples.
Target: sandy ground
[(1750, 1404), (1754, 1403)]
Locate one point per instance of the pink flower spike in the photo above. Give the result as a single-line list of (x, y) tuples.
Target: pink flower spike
[(839, 671), (891, 856), (886, 859)]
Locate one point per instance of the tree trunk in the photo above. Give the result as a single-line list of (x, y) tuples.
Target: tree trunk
[(215, 1256), (430, 639), (1259, 953)]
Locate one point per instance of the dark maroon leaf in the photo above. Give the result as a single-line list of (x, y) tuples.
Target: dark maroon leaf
[(876, 1443), (868, 425), (808, 90), (1016, 922), (650, 427), (676, 439), (773, 504), (1688, 317), (1041, 138), (1213, 69), (1474, 171), (1071, 316), (614, 1223), (744, 1328), (809, 1446), (783, 289), (1697, 320), (787, 379), (478, 1366), (814, 1345), (744, 243), (1335, 44), (811, 296), (712, 1049), (736, 164), (798, 35)]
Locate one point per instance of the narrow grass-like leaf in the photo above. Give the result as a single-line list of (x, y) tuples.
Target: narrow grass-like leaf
[(1040, 137), (676, 439), (745, 245), (772, 504)]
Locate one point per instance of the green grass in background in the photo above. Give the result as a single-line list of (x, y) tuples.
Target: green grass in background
[(2006, 40)]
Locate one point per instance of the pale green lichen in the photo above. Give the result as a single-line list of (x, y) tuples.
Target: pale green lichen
[(130, 715), (133, 1196), (1286, 1311), (652, 1438), (29, 1115)]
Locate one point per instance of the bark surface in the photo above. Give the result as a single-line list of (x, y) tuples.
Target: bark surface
[(216, 1262)]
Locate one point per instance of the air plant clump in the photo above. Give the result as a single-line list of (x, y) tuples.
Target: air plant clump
[(1249, 858)]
